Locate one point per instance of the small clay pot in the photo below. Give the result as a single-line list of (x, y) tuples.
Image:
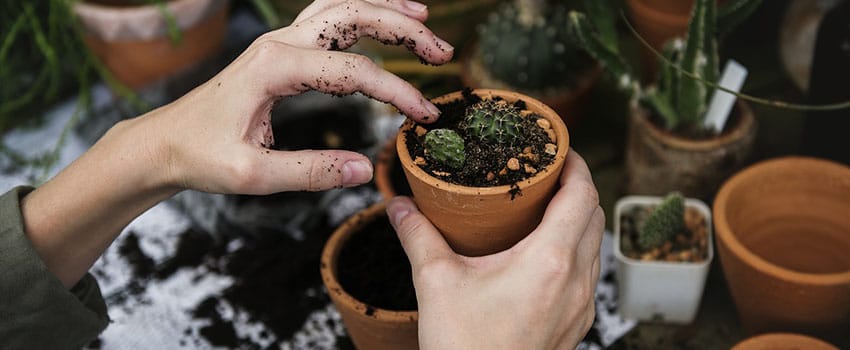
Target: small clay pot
[(783, 341), (783, 234), (133, 41), (484, 220), (369, 327), (569, 103), (659, 162)]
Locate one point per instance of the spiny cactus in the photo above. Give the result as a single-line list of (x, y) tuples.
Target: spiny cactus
[(680, 100), (493, 122), (526, 44), (445, 146), (663, 222)]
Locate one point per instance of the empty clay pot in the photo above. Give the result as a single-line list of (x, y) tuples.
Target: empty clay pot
[(484, 220), (783, 233), (694, 167), (783, 341), (369, 327), (133, 41)]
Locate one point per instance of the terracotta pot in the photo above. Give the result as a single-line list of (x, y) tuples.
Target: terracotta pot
[(569, 103), (659, 290), (658, 21), (389, 176), (783, 233), (133, 42), (783, 341), (694, 167), (484, 220), (369, 327)]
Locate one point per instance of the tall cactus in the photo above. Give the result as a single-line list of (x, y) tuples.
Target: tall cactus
[(679, 99)]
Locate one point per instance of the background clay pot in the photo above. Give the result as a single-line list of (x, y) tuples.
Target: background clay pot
[(694, 167), (783, 233), (133, 41), (483, 220), (569, 102), (369, 327), (783, 341), (389, 177)]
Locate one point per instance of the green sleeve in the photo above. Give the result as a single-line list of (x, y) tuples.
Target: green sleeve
[(36, 310)]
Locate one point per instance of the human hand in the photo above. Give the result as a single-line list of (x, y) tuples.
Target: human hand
[(538, 294), (218, 135)]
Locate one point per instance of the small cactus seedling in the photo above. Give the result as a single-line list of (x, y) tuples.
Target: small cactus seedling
[(493, 122), (663, 222), (446, 147)]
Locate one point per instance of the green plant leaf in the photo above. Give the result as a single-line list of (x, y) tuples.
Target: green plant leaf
[(584, 36), (691, 102)]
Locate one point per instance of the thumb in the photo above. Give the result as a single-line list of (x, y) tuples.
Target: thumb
[(421, 240)]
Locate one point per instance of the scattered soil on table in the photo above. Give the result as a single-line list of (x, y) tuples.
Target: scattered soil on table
[(373, 268), (482, 159), (689, 245)]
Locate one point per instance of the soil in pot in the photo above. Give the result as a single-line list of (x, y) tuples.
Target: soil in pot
[(374, 269), (486, 165), (688, 245)]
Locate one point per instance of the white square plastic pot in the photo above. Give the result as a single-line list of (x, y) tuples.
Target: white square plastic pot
[(658, 290)]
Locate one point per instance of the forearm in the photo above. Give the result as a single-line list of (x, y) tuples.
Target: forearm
[(74, 217)]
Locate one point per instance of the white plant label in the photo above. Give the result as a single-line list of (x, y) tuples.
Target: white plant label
[(732, 78)]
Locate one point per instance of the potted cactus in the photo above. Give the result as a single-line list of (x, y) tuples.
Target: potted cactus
[(664, 249), (667, 136), (524, 46), (485, 171)]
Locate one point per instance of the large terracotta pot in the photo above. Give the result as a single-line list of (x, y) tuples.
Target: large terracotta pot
[(133, 41), (484, 220), (569, 102), (783, 233), (369, 327), (658, 162), (783, 341)]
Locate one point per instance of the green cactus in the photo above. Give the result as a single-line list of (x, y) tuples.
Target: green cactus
[(445, 147), (526, 44), (493, 122), (680, 100), (663, 222)]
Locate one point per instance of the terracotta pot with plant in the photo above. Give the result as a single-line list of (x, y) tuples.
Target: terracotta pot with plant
[(669, 136), (664, 249), (143, 41), (783, 235), (369, 280), (485, 171), (525, 46)]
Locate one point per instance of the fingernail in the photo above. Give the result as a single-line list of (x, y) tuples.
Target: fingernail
[(415, 6), (432, 109), (356, 172), (443, 45), (398, 209)]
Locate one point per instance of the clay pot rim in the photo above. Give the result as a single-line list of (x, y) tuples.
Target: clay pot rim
[(724, 232), (665, 18), (531, 103), (745, 125), (643, 200), (802, 340), (329, 259)]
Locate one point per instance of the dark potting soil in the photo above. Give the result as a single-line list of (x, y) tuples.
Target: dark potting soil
[(373, 268), (482, 159)]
